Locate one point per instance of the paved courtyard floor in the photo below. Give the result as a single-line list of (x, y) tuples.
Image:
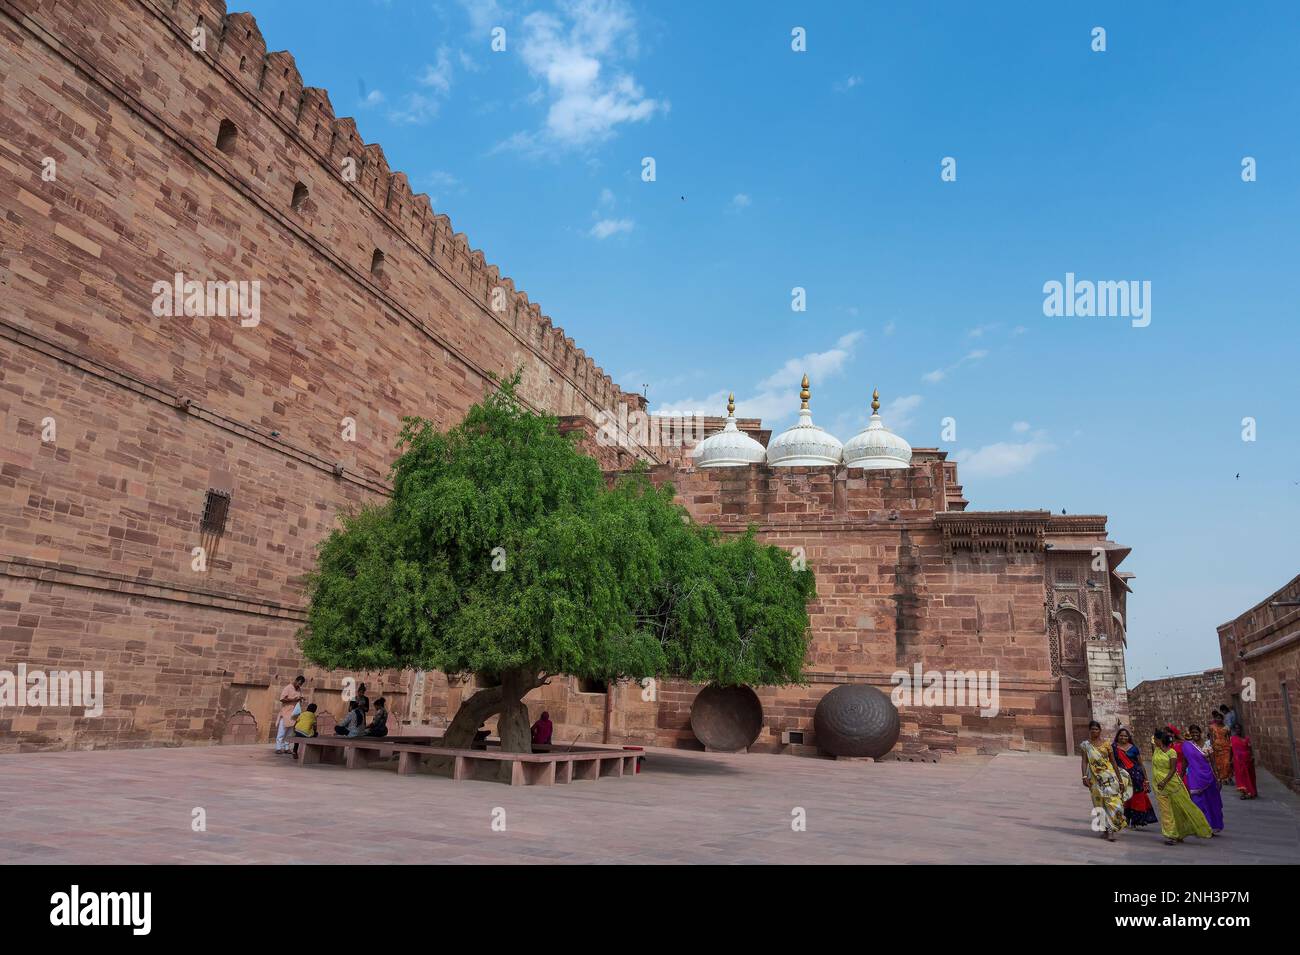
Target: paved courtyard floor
[(136, 806)]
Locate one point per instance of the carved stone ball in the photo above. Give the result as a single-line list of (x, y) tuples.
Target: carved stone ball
[(856, 720), (726, 718)]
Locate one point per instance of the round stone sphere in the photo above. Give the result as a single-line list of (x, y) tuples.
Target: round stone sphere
[(856, 720), (726, 718)]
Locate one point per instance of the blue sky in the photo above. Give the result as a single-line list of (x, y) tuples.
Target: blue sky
[(821, 169)]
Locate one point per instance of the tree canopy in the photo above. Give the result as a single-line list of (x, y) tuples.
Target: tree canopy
[(503, 551)]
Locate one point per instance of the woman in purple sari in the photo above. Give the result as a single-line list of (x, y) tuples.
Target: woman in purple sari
[(1204, 787)]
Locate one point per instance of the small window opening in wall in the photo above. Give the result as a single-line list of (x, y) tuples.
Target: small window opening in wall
[(242, 61), (280, 101), (216, 507), (226, 136), (588, 685), (377, 264), (299, 196)]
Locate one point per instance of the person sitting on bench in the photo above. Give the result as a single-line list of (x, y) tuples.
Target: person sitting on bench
[(379, 725), (543, 729), (354, 724), (305, 727)]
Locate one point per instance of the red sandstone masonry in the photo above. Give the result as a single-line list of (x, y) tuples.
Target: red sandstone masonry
[(96, 529)]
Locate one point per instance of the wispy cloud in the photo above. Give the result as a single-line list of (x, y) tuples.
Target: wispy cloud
[(846, 84), (484, 15), (741, 201), (436, 79), (939, 374), (604, 228), (776, 397), (1003, 458), (900, 412), (574, 53)]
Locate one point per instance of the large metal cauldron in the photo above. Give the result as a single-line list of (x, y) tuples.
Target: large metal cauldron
[(856, 720), (726, 718)]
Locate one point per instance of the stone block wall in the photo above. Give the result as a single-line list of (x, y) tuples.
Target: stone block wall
[(1177, 699), (120, 412), (1261, 665)]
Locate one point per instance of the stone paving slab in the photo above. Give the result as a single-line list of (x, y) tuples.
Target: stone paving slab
[(135, 806)]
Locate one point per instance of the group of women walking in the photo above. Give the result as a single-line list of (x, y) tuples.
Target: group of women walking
[(1183, 792)]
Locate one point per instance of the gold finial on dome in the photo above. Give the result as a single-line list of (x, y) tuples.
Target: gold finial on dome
[(731, 405), (804, 394), (875, 401)]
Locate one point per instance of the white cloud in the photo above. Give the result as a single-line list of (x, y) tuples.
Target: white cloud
[(574, 53), (483, 16), (606, 198), (777, 395), (1000, 459), (848, 83), (890, 326), (416, 110), (438, 75), (1020, 427), (939, 374), (815, 365), (437, 78), (900, 412), (373, 98), (741, 201), (605, 228)]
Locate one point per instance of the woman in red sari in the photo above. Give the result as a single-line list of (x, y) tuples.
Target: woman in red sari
[(1138, 811), (1243, 763)]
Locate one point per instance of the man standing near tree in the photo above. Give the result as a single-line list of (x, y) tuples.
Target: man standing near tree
[(290, 697)]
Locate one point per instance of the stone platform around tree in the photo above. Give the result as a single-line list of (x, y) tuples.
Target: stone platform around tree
[(136, 806)]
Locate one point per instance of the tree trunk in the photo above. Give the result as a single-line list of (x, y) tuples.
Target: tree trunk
[(472, 714), (506, 700), (516, 734)]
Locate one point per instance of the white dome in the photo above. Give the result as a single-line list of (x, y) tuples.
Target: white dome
[(730, 447), (875, 447), (805, 443)]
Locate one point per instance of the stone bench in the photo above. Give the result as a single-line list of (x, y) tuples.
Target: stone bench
[(526, 769)]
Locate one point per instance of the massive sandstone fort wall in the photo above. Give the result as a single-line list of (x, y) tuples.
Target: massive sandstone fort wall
[(98, 525), (1261, 676)]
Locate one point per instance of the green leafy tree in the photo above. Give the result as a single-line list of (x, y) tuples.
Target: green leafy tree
[(503, 552)]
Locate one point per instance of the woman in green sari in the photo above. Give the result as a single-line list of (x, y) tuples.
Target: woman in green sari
[(1179, 816), (1110, 786)]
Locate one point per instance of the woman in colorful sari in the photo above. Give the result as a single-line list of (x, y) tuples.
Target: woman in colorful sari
[(1243, 763), (1221, 740), (1109, 785), (1176, 743), (1179, 817), (1203, 785), (1138, 811), (1195, 738)]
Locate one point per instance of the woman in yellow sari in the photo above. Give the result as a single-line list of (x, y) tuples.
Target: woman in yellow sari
[(1179, 816), (1110, 786)]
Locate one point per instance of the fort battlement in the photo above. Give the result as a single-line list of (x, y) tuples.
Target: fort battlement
[(287, 134)]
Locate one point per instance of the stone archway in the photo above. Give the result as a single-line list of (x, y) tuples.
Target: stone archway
[(241, 729)]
